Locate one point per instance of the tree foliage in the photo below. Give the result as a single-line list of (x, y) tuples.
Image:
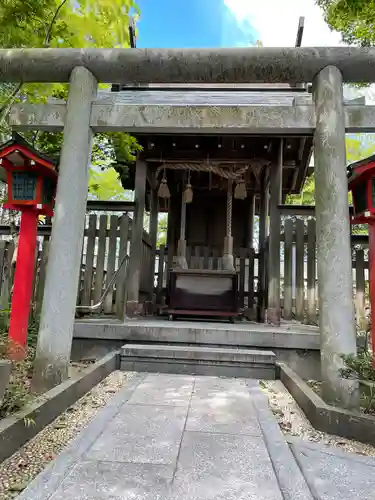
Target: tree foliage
[(356, 149), (105, 185), (66, 24), (354, 19)]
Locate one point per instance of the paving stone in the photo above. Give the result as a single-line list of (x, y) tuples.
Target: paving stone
[(221, 414), (109, 481), (147, 420), (141, 433), (136, 449), (220, 466), (207, 387), (336, 476), (163, 390)]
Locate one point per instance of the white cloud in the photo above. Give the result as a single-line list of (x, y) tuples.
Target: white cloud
[(277, 21)]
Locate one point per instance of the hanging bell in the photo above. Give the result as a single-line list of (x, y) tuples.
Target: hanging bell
[(240, 192), (163, 191), (188, 194)]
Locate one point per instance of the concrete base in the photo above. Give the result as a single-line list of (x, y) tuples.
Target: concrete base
[(324, 417), (225, 362), (5, 369)]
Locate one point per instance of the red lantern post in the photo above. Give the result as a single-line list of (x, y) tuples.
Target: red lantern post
[(362, 185), (32, 180)]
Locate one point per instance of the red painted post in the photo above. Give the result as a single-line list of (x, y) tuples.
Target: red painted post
[(23, 281), (371, 233)]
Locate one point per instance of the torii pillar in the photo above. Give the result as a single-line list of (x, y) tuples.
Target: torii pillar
[(60, 292), (334, 257)]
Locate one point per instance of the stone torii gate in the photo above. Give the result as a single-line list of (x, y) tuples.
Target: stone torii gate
[(82, 115)]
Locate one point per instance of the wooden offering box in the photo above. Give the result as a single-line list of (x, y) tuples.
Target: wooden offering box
[(202, 293)]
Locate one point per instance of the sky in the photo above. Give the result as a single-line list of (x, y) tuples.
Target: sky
[(235, 23), (230, 23)]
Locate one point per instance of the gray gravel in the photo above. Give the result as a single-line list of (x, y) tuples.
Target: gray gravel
[(18, 470), (293, 421)]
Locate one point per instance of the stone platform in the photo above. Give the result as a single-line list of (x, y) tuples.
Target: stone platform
[(292, 343), (198, 360), (173, 437), (290, 335)]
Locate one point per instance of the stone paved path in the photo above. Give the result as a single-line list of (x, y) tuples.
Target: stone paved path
[(196, 438)]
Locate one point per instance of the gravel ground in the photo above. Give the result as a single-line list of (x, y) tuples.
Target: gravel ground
[(293, 422), (18, 470)]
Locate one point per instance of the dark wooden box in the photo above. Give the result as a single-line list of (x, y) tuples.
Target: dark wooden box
[(203, 291)]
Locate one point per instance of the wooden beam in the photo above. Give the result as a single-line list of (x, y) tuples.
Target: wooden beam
[(154, 208), (302, 210), (135, 261), (273, 311), (301, 25), (263, 233), (111, 206)]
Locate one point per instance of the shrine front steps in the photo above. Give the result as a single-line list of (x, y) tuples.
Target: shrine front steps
[(196, 360)]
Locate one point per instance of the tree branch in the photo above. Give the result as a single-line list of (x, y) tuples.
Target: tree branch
[(47, 40), (5, 107), (9, 101)]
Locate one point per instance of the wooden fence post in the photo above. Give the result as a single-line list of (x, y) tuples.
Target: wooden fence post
[(360, 289), (111, 262), (288, 270), (300, 261), (311, 271)]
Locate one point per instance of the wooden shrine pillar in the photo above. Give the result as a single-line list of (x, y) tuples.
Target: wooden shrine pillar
[(262, 245), (273, 308), (64, 261), (153, 230), (133, 307), (334, 256)]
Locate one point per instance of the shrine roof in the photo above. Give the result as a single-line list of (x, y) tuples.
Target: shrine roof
[(18, 140)]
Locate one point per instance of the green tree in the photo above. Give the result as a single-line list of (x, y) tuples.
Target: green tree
[(354, 19), (357, 148), (162, 229), (106, 185), (66, 23)]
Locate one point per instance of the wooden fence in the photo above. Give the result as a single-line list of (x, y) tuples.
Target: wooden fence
[(299, 284), (298, 272), (106, 248), (107, 245)]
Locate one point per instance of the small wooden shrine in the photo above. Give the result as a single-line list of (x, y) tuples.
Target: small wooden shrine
[(213, 186)]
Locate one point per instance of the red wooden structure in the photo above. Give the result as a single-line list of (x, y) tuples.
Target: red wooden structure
[(32, 180), (362, 185)]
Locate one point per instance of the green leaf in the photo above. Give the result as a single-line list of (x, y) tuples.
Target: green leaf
[(68, 23), (354, 19)]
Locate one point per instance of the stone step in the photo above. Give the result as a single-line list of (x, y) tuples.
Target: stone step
[(196, 360)]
